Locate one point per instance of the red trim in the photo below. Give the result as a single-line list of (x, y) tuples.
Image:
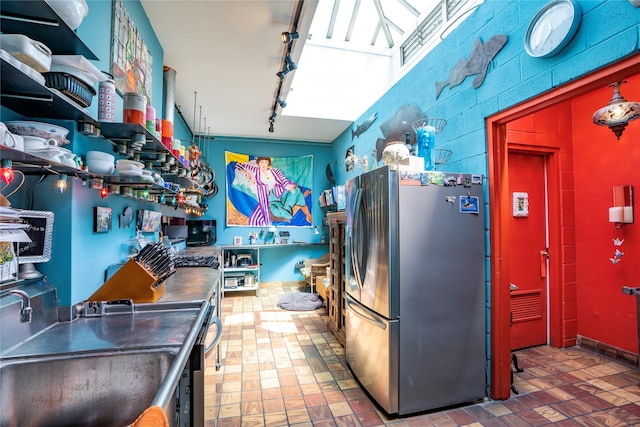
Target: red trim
[(500, 206)]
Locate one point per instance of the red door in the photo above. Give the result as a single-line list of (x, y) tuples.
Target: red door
[(528, 250)]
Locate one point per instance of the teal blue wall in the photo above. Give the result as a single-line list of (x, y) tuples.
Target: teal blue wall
[(609, 32), (277, 264)]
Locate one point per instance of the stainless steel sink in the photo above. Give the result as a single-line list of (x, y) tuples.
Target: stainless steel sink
[(90, 389)]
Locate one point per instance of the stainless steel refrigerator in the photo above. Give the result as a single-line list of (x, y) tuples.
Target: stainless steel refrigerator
[(415, 292)]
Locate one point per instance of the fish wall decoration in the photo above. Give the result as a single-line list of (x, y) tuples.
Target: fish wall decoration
[(362, 127), (477, 64)]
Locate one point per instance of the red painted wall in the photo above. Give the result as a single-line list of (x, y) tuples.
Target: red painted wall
[(601, 162), (552, 128), (592, 161)]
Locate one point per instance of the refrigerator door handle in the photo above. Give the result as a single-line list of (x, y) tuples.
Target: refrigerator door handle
[(356, 237), (373, 320)]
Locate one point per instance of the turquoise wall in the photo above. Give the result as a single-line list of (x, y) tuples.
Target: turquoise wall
[(278, 264), (609, 32)]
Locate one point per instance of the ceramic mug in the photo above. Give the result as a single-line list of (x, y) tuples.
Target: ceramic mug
[(9, 139), (36, 143)]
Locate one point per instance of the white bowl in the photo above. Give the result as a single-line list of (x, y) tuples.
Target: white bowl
[(100, 155), (100, 167), (72, 12), (129, 164)]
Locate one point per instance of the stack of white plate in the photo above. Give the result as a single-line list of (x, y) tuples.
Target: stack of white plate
[(129, 167), (147, 175)]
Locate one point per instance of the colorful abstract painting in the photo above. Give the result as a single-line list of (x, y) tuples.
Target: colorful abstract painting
[(131, 61), (264, 191)]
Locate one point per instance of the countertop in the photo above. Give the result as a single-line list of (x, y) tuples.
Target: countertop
[(152, 324), (192, 283)]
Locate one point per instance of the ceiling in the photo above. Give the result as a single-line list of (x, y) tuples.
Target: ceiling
[(226, 55)]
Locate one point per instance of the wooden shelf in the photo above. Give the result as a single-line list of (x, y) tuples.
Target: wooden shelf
[(336, 292)]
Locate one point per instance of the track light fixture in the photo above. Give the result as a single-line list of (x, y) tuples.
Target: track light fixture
[(291, 65), (288, 64), (288, 37)]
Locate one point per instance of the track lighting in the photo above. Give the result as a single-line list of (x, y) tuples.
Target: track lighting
[(288, 37), (6, 171), (288, 64), (291, 65)]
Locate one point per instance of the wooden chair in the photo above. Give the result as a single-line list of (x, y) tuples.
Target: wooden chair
[(314, 267)]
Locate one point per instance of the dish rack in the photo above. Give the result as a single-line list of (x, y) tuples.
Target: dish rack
[(71, 86)]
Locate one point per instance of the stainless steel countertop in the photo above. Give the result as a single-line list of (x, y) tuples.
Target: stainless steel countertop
[(192, 283), (117, 331), (145, 328)]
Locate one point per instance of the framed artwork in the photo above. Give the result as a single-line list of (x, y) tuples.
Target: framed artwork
[(237, 241), (38, 247), (264, 191), (131, 61), (149, 221), (102, 219), (520, 204)]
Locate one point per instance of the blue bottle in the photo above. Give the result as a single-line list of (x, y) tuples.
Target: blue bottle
[(425, 143)]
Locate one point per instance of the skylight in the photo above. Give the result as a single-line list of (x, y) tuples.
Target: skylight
[(357, 49)]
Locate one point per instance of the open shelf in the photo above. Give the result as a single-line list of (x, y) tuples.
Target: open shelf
[(35, 19)]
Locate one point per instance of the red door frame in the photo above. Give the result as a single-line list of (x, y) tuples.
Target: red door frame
[(552, 167), (500, 207)]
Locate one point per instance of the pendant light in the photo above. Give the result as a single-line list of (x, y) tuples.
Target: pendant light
[(618, 113)]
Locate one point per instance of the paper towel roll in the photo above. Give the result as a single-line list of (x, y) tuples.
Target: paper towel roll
[(616, 214), (628, 214)]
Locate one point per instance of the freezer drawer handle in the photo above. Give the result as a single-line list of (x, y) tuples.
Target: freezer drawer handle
[(373, 320)]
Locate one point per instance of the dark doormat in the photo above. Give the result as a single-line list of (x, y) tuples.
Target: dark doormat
[(300, 301)]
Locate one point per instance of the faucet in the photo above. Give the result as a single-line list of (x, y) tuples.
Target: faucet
[(25, 306)]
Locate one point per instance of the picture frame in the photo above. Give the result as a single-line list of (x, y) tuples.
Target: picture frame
[(38, 247), (520, 204), (237, 240), (102, 219), (149, 221)]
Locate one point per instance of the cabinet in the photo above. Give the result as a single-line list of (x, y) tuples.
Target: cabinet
[(240, 269), (338, 277)]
